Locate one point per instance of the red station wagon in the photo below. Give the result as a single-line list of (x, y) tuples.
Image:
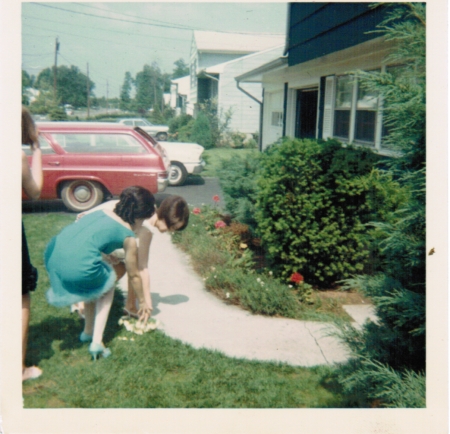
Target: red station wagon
[(85, 162)]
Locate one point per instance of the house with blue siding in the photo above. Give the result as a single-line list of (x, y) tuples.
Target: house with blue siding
[(310, 91)]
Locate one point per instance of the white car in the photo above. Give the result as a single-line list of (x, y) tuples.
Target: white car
[(160, 132), (185, 159)]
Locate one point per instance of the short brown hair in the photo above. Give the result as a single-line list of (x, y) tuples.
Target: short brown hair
[(174, 210), (29, 131)]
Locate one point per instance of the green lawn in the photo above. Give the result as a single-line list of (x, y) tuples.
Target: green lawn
[(152, 370)]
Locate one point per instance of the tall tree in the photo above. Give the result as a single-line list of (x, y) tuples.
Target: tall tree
[(390, 359), (125, 91), (149, 88), (71, 85), (181, 69)]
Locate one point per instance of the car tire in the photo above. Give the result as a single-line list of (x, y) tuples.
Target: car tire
[(161, 136), (81, 195), (177, 173)]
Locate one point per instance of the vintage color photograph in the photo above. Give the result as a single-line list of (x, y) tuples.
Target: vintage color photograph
[(224, 206)]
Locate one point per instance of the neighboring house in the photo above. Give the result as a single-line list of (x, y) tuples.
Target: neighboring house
[(309, 92), (215, 57), (180, 94)]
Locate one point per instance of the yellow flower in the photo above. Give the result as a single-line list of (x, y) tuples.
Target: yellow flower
[(243, 246)]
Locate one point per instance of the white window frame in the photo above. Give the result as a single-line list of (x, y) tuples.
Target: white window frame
[(329, 129)]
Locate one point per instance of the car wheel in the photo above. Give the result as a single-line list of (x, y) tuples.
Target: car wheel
[(81, 195), (161, 136), (177, 173)]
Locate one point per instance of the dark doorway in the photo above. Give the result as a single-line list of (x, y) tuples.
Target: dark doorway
[(306, 113)]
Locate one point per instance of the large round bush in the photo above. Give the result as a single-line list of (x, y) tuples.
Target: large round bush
[(312, 203)]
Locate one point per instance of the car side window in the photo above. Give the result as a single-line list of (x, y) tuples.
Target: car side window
[(128, 122), (45, 146), (99, 144)]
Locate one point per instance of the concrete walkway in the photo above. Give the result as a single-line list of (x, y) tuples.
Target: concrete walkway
[(188, 312)]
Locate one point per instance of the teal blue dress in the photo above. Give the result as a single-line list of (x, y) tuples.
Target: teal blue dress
[(74, 259)]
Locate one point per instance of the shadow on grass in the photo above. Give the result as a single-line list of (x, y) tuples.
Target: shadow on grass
[(346, 399), (67, 330)]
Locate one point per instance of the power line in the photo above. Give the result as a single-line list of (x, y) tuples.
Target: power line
[(105, 30), (131, 16), (112, 19), (156, 47), (171, 26)]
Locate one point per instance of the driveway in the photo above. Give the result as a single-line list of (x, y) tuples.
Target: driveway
[(197, 191)]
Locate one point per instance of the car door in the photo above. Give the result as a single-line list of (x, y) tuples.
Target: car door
[(114, 160)]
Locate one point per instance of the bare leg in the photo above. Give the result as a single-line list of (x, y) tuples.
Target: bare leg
[(89, 314), (32, 371), (25, 322), (102, 308)]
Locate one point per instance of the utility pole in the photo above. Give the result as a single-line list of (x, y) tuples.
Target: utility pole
[(88, 91), (54, 70)]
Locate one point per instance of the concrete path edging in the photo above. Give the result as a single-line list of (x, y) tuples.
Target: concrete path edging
[(188, 312)]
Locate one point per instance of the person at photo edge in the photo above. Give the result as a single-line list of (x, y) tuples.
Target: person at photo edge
[(32, 180)]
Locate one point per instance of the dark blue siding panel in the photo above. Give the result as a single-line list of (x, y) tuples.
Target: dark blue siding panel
[(331, 28), (324, 20), (300, 11)]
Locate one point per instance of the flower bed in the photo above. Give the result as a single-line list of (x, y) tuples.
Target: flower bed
[(231, 263)]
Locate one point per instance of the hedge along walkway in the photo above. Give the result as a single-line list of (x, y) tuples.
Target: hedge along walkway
[(188, 312)]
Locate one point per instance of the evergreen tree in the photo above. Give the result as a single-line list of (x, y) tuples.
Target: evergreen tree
[(125, 92), (390, 359)]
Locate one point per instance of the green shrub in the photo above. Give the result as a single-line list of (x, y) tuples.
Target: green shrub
[(58, 114), (178, 122), (238, 182), (201, 131), (237, 139), (385, 387), (185, 132), (312, 204)]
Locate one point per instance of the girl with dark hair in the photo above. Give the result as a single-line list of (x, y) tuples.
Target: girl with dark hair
[(172, 215), (76, 261)]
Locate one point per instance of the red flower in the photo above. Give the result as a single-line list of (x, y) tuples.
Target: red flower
[(196, 211), (220, 224), (216, 198), (296, 278)]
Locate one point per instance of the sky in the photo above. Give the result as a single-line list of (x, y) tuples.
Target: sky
[(113, 38)]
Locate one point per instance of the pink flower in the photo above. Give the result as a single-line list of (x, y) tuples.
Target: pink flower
[(220, 224), (196, 211), (296, 278), (216, 198)]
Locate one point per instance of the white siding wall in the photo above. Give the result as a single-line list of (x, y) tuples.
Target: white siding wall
[(273, 103), (366, 56), (246, 111)]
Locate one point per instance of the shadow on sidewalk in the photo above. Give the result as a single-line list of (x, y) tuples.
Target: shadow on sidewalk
[(170, 299)]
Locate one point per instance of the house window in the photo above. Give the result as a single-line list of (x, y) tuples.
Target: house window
[(343, 106), (355, 111), (277, 119)]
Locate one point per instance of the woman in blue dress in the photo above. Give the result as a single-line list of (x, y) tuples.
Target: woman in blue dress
[(78, 268)]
